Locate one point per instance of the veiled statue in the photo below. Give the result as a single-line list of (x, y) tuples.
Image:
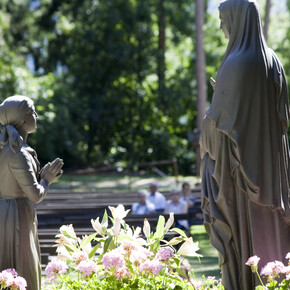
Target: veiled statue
[(245, 151), (22, 184)]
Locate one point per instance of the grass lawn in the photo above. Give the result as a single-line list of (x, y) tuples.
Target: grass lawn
[(117, 183), (208, 264)]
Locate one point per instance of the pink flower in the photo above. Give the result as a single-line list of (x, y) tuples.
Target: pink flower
[(128, 247), (288, 277), (18, 283), (114, 258), (197, 284), (287, 270), (139, 255), (6, 278), (151, 267), (87, 267), (253, 263), (134, 249), (9, 278), (164, 254), (121, 273), (12, 271), (54, 268), (273, 269), (79, 257)]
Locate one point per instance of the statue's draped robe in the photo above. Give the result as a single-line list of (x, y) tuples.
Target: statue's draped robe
[(245, 152), (19, 189)]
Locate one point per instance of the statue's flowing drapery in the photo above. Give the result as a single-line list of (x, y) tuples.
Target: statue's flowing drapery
[(245, 152)]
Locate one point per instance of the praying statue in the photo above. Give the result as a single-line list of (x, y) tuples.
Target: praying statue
[(245, 151), (22, 184)]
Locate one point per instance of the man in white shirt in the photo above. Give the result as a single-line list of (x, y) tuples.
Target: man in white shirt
[(177, 206), (144, 206), (157, 198)]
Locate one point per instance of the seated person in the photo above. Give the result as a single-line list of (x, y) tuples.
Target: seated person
[(143, 206), (177, 206), (157, 198), (186, 194)]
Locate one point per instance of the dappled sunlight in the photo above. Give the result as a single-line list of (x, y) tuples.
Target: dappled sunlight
[(80, 183)]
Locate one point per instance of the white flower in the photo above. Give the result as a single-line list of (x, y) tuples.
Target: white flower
[(146, 228), (63, 240), (117, 227), (253, 263), (169, 222), (62, 253), (68, 231), (189, 248), (137, 233), (97, 226), (119, 211), (88, 247)]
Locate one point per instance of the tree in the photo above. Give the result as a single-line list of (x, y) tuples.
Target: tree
[(267, 18), (108, 88), (161, 52), (200, 70)]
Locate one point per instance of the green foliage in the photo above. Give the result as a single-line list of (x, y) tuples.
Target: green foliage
[(117, 264), (105, 106), (94, 69)]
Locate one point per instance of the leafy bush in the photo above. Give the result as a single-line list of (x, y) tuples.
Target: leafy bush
[(119, 257)]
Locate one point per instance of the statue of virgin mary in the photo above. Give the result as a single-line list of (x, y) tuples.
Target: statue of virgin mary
[(245, 151)]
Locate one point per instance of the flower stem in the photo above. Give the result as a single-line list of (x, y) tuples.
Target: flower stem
[(63, 282), (260, 278)]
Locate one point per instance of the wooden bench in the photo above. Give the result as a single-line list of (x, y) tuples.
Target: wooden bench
[(65, 207)]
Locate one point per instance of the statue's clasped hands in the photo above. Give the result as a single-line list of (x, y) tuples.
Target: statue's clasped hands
[(52, 170)]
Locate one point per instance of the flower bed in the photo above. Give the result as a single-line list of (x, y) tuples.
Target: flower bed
[(119, 257)]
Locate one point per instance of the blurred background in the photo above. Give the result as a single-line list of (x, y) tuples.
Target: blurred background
[(119, 83)]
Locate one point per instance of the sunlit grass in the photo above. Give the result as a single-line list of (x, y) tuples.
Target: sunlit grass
[(115, 183), (208, 264)]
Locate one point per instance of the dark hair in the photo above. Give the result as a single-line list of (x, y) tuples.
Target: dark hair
[(185, 184)]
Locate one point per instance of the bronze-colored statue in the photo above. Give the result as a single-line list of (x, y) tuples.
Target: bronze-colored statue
[(245, 151), (22, 184)]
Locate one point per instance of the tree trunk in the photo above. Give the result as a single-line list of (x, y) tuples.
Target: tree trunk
[(267, 18), (200, 72), (161, 53)]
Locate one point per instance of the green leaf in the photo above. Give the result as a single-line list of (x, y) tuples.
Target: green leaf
[(124, 237), (179, 231), (173, 242), (66, 234), (181, 273), (159, 234), (109, 244), (70, 249), (93, 251), (87, 239), (177, 261), (155, 246), (104, 222)]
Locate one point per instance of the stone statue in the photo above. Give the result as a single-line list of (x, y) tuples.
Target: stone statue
[(22, 184), (245, 151)]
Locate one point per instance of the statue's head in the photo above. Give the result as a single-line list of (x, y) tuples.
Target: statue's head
[(15, 109), (17, 115), (234, 13), (241, 23)]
